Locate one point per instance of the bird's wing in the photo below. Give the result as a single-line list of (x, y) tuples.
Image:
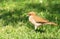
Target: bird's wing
[(39, 19)]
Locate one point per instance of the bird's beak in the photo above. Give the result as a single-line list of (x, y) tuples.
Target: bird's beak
[(28, 15)]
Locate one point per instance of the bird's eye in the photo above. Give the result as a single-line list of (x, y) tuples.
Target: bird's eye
[(29, 14)]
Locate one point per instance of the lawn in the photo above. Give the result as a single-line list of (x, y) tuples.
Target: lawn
[(14, 23)]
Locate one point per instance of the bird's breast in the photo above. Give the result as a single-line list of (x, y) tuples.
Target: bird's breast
[(32, 20)]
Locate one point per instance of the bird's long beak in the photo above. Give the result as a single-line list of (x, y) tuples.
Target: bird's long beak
[(28, 15)]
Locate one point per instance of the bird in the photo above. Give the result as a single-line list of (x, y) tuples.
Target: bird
[(38, 21)]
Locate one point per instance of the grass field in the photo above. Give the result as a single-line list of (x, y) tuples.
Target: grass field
[(14, 22)]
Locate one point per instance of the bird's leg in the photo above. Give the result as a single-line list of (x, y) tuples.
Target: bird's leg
[(35, 27)]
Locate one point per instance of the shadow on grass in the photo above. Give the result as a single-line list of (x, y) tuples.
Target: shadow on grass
[(11, 16), (41, 31), (37, 6)]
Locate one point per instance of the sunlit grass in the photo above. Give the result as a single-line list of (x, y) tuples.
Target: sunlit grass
[(24, 32)]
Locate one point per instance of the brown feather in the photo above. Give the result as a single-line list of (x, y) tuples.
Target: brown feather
[(52, 23), (39, 19)]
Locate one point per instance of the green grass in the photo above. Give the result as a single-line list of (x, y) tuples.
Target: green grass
[(25, 32), (14, 22)]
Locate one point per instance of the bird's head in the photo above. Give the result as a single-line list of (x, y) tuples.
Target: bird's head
[(31, 14)]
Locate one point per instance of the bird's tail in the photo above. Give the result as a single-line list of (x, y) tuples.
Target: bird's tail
[(51, 23)]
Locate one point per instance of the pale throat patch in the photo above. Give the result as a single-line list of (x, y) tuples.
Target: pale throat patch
[(32, 20)]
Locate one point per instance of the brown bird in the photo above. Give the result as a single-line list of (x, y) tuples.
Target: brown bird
[(37, 21)]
